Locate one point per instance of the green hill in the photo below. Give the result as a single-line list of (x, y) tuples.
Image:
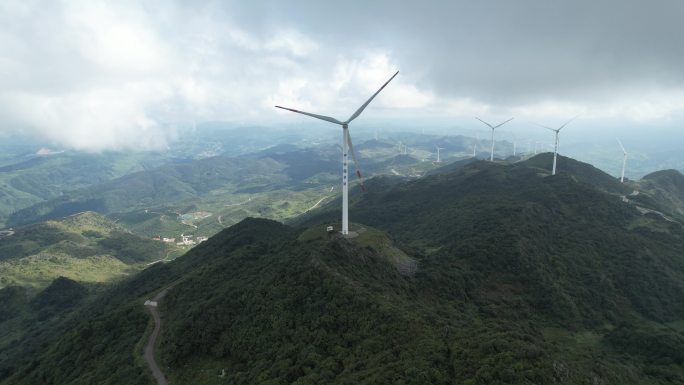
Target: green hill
[(664, 190), (583, 172), (32, 179), (85, 247), (488, 274)]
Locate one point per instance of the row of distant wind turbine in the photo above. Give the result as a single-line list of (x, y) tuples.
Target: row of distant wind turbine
[(347, 144), (555, 146)]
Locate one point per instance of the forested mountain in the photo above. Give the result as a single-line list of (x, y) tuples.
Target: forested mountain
[(490, 273)]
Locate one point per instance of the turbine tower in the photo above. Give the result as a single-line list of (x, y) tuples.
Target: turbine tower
[(438, 148), (491, 156), (346, 143), (624, 161), (555, 147), (477, 139)]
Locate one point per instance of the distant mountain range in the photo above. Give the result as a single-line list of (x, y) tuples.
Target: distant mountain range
[(487, 273), (281, 182)]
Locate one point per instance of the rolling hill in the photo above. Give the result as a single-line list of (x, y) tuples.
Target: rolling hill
[(85, 247), (31, 179), (663, 189), (277, 183)]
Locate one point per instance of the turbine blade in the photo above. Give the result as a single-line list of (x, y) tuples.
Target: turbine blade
[(356, 162), (621, 146), (501, 124), (548, 128), (322, 117), (566, 123), (488, 125), (360, 110)]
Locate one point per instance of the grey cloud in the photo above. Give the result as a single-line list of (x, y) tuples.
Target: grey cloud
[(504, 51), (103, 74)]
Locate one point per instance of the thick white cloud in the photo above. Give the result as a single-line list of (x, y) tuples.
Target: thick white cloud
[(101, 75)]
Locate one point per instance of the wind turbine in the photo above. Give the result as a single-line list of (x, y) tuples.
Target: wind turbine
[(438, 148), (555, 148), (624, 161), (346, 141), (477, 139), (491, 156)]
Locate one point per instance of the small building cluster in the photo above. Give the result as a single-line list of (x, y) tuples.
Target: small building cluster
[(185, 240)]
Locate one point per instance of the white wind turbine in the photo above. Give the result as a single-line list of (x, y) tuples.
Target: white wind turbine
[(477, 139), (624, 161), (491, 156), (555, 147), (438, 148), (346, 141)]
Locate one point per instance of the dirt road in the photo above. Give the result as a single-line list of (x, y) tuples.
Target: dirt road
[(152, 341)]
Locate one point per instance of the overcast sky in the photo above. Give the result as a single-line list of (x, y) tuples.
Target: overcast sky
[(126, 74)]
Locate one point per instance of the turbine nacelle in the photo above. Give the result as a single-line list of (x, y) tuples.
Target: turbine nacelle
[(493, 127), (557, 130)]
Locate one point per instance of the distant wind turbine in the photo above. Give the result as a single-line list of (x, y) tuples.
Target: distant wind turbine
[(555, 148), (477, 139), (491, 155), (624, 161), (438, 148), (346, 141)]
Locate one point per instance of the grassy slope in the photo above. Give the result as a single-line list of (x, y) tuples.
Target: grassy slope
[(85, 247)]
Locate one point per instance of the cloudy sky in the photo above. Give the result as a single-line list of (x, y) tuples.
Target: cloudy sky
[(127, 74)]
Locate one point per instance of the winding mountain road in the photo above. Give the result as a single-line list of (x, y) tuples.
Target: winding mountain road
[(152, 341)]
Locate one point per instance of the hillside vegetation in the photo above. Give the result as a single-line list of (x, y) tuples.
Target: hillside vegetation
[(85, 247), (519, 278), (32, 179)]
